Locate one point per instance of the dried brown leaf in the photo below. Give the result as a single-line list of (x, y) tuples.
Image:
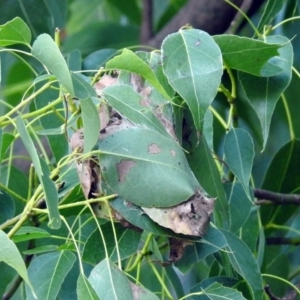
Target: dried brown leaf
[(191, 217)]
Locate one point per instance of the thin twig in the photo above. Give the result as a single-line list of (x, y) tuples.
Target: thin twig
[(146, 30), (270, 294), (275, 198)]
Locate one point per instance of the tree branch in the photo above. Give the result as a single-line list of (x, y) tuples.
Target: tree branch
[(283, 241), (146, 30), (213, 16), (275, 198), (291, 296)]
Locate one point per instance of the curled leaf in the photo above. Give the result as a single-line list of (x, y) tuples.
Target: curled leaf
[(190, 217)]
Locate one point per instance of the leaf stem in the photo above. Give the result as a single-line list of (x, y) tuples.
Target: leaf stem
[(285, 21), (141, 254), (163, 285), (245, 16), (24, 102)]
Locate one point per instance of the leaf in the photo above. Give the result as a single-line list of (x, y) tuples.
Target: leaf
[(51, 196), (97, 59), (192, 62), (13, 32), (57, 141), (91, 123), (29, 146), (263, 93), (7, 205), (249, 55), (282, 176), (94, 251), (129, 104), (128, 61), (208, 129), (136, 216), (239, 153), (42, 249), (204, 167), (84, 289), (131, 9), (189, 218), (217, 291), (82, 88), (5, 141), (108, 275), (141, 293), (239, 205), (47, 273), (272, 8), (243, 261), (212, 242), (135, 161), (26, 233), (43, 173), (10, 255), (46, 51)]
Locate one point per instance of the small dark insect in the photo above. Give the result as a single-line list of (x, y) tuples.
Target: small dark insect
[(193, 209)]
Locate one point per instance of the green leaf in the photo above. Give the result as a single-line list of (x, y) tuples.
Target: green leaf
[(47, 52), (40, 250), (192, 62), (248, 55), (57, 141), (30, 147), (141, 293), (26, 233), (108, 275), (217, 291), (10, 255), (84, 289), (5, 141), (128, 61), (13, 32), (135, 161), (82, 88), (282, 176), (239, 205), (43, 173), (91, 123), (263, 93), (212, 242), (47, 273), (7, 205), (51, 196), (98, 59), (244, 263), (128, 242), (272, 8), (239, 153), (129, 104), (204, 167)]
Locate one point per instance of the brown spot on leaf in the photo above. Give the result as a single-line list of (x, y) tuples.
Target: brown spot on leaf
[(123, 168), (153, 149)]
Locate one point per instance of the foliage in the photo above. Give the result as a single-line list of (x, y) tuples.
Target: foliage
[(132, 154)]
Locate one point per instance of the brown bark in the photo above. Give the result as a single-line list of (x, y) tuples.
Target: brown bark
[(212, 16)]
